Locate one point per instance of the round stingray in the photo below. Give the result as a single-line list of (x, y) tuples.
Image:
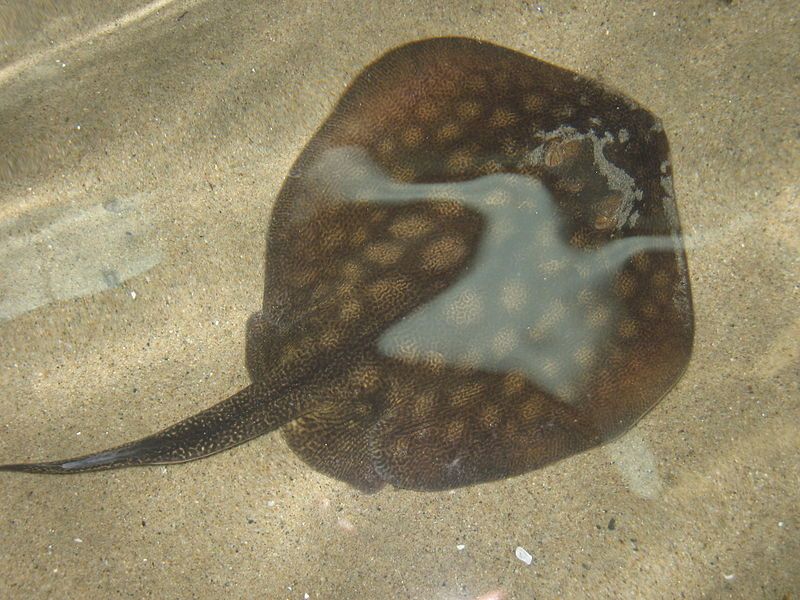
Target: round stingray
[(475, 268)]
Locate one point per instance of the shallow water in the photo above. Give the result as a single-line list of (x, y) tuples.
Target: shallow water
[(141, 155)]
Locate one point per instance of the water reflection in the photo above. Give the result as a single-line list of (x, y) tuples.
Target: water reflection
[(529, 302)]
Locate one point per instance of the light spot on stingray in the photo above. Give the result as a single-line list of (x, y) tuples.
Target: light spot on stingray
[(490, 167), (661, 295), (585, 356), (466, 308), (448, 132), (469, 109), (470, 358), (504, 228), (368, 378), (454, 430), (410, 226), (445, 253), (490, 416), (511, 431), (551, 267), (351, 271), (329, 338), (332, 238), (460, 161), (384, 253), (534, 103), (503, 117), (403, 173), (449, 208), (386, 147), (580, 240), (467, 393), (405, 347), (424, 404), (389, 290), (597, 316), (413, 136), (513, 383), (586, 270), (435, 361), (545, 237), (530, 409), (514, 295), (624, 284), (400, 449), (587, 296), (627, 328), (427, 110), (552, 316), (551, 368), (649, 310), (660, 278), (346, 289), (641, 261), (504, 342), (510, 146), (358, 237), (497, 197), (566, 393)]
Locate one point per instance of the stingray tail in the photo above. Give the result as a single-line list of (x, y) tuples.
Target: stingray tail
[(247, 414)]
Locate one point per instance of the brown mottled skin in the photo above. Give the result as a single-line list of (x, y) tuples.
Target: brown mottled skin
[(447, 167)]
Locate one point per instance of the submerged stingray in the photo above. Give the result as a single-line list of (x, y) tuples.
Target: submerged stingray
[(475, 268)]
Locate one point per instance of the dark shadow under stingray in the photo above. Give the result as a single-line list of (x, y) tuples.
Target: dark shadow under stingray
[(474, 269)]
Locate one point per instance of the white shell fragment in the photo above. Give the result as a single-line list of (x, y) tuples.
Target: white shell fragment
[(523, 555)]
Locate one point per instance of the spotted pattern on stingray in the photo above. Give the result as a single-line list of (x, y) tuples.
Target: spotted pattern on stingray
[(474, 269)]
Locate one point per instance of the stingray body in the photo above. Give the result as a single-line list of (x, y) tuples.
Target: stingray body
[(474, 269)]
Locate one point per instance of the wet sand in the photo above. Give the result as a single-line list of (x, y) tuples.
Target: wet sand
[(139, 160)]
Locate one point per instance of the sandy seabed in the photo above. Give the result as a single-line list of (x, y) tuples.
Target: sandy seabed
[(142, 146)]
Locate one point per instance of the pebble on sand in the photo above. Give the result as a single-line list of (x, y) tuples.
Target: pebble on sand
[(523, 555)]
